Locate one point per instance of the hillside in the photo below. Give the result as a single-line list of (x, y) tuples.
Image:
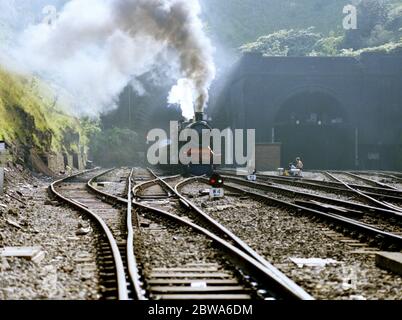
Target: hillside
[(235, 22), (31, 115)]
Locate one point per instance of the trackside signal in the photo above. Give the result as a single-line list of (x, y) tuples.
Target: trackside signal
[(216, 181)]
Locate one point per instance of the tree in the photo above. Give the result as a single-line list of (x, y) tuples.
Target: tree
[(327, 46), (394, 22), (285, 43), (117, 147), (372, 15), (233, 23)]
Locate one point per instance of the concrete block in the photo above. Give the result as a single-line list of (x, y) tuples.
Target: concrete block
[(35, 254), (268, 156), (391, 261)]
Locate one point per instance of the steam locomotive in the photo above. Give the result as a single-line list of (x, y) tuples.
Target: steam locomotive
[(204, 166)]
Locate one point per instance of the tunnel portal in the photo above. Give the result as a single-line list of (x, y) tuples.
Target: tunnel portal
[(315, 127), (335, 112)]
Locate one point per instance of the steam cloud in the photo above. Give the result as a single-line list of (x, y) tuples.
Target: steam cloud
[(96, 47)]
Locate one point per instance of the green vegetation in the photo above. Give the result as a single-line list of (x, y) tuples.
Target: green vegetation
[(305, 28), (285, 43), (328, 46), (116, 147), (31, 115), (390, 47), (236, 22), (379, 28)]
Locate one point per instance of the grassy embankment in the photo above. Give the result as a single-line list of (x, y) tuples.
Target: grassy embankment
[(31, 116)]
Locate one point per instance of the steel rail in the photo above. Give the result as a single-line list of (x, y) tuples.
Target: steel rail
[(120, 273), (271, 274), (365, 189), (306, 184), (390, 238), (132, 265), (369, 181), (391, 176), (212, 223), (385, 174), (337, 202), (144, 185), (372, 191), (277, 284), (361, 194), (131, 260)]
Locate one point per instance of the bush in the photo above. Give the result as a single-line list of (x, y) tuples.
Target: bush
[(379, 22), (285, 43), (117, 147), (31, 114), (327, 46), (390, 47)]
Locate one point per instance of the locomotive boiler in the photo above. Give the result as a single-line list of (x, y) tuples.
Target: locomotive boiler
[(195, 150)]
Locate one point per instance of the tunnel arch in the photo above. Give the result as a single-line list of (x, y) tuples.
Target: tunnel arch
[(312, 107), (310, 89), (312, 123)]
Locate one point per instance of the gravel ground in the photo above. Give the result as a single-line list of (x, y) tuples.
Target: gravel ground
[(114, 182), (152, 191), (319, 193), (373, 219), (315, 176), (279, 235), (114, 216), (350, 180), (64, 272), (165, 244), (142, 174), (306, 174), (174, 181), (390, 181)]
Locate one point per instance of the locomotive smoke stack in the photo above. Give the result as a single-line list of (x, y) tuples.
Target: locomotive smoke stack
[(199, 116)]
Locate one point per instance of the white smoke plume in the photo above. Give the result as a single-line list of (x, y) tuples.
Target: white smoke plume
[(94, 48)]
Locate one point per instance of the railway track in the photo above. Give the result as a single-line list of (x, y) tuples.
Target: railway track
[(132, 273), (341, 214), (332, 186), (347, 197), (359, 178), (130, 210), (238, 273), (365, 196), (265, 226), (386, 174), (397, 177), (104, 197), (389, 178), (75, 191)]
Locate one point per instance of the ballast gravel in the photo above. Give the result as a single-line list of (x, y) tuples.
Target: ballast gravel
[(279, 235), (67, 268)]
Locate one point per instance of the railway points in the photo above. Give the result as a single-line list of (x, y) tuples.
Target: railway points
[(160, 236)]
